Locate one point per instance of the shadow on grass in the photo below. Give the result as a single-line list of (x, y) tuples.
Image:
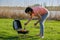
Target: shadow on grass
[(20, 37), (10, 38), (5, 36), (29, 37)]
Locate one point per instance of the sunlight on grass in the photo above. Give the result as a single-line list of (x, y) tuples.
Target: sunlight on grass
[(51, 30)]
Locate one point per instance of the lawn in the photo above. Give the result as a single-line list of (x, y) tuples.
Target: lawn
[(51, 30)]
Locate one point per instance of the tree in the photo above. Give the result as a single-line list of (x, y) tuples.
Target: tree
[(37, 5)]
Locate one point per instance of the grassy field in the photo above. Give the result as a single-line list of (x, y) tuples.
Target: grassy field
[(52, 30)]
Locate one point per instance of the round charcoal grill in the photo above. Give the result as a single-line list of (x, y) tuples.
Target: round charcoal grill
[(23, 31), (17, 25)]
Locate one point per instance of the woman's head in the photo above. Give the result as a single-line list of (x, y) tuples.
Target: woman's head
[(28, 10)]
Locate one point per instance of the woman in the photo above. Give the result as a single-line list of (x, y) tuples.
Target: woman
[(39, 12)]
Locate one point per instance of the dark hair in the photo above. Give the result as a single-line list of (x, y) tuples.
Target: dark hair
[(28, 9)]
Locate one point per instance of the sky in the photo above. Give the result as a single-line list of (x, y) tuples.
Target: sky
[(25, 3)]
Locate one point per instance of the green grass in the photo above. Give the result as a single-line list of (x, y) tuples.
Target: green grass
[(51, 30)]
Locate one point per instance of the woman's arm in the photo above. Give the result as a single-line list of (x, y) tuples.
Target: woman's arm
[(39, 18), (28, 20)]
